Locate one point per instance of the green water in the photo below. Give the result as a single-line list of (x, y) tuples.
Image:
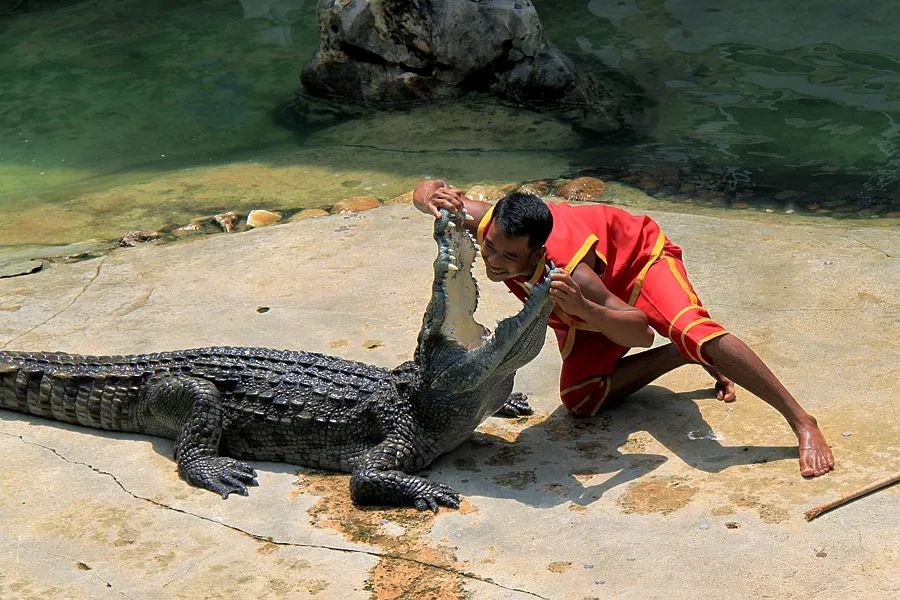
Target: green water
[(126, 114), (802, 96), (100, 87)]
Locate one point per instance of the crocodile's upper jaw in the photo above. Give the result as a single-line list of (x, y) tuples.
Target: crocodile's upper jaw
[(456, 259), (455, 351)]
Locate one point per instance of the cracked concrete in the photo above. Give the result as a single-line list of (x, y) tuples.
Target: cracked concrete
[(670, 495), (78, 294)]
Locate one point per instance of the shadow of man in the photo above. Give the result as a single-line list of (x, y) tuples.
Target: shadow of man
[(564, 458), (675, 421)]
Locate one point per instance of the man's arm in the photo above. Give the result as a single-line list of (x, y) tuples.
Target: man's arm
[(583, 294), (431, 195)]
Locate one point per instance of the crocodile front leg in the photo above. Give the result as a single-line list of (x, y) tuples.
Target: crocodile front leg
[(191, 409), (379, 480), (516, 405), (396, 488)]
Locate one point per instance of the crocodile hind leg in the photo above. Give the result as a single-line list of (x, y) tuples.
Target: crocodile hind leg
[(190, 410)]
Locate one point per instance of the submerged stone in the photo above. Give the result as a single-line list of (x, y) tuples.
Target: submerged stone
[(23, 267), (355, 204), (309, 213), (484, 193), (581, 189), (228, 220), (404, 198), (541, 187), (133, 238)]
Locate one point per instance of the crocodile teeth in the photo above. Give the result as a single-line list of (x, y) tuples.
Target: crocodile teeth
[(452, 267), (468, 216), (451, 225)]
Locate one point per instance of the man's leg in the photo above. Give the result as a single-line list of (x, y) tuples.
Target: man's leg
[(736, 360), (636, 371), (675, 312)]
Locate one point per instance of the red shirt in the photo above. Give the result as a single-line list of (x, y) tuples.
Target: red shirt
[(625, 244)]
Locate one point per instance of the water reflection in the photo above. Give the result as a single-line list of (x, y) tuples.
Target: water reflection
[(95, 88), (794, 95), (278, 13)]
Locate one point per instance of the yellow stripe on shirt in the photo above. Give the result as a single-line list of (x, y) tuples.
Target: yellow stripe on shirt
[(680, 314), (482, 226), (585, 247), (690, 326)]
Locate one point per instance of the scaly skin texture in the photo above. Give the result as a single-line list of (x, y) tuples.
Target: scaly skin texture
[(222, 404)]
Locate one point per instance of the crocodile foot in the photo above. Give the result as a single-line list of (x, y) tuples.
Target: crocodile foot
[(219, 474), (515, 406), (432, 494), (370, 487)]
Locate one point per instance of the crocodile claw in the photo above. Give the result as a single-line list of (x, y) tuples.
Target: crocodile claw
[(433, 494), (515, 406), (219, 474)]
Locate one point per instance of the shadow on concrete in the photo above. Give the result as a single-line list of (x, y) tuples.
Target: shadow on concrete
[(558, 460)]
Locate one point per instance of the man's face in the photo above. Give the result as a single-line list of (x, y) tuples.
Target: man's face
[(506, 257)]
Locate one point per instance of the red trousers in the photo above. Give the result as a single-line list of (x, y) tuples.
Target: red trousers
[(673, 309)]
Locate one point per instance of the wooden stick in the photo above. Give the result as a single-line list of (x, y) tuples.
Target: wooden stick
[(872, 487)]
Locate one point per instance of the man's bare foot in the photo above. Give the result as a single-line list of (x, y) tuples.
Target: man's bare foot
[(815, 453), (724, 386)]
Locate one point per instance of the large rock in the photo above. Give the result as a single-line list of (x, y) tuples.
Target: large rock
[(397, 52)]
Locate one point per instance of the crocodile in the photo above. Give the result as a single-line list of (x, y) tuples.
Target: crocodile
[(226, 405)]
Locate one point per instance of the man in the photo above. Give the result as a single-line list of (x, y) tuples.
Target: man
[(621, 274)]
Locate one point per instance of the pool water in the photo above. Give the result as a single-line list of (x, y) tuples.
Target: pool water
[(127, 114), (796, 96)]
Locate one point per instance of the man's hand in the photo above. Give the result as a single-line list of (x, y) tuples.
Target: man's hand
[(566, 294), (445, 197), (432, 195)]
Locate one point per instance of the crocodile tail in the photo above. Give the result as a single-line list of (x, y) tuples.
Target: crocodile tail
[(46, 388)]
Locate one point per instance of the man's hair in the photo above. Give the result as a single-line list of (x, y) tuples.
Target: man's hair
[(520, 214)]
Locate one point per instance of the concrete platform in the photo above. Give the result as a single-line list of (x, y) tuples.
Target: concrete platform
[(672, 494)]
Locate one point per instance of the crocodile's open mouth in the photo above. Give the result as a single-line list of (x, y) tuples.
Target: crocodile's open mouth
[(457, 251), (456, 352)]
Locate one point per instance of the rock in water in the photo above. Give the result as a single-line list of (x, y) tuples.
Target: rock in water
[(355, 204), (261, 218), (392, 53), (582, 189)]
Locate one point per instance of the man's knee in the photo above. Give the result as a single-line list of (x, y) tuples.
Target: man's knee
[(586, 398), (714, 348)]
